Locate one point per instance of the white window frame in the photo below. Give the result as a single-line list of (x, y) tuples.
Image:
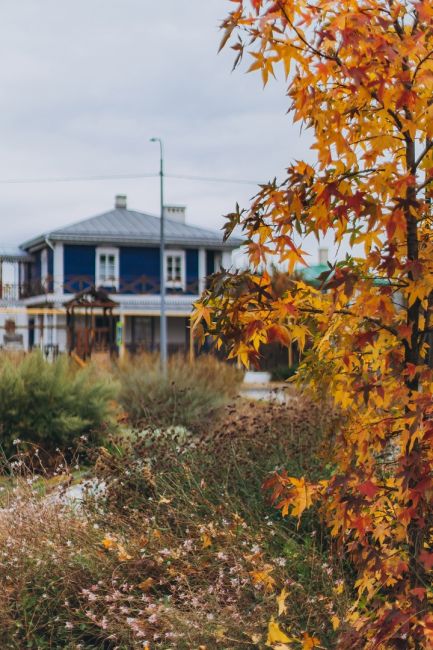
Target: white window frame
[(175, 284), (218, 261), (102, 282)]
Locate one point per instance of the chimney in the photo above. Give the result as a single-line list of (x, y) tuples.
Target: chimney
[(323, 256), (120, 202), (175, 213)]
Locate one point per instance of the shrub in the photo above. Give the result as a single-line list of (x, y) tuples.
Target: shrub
[(188, 396), (283, 372), (51, 404), (250, 438)]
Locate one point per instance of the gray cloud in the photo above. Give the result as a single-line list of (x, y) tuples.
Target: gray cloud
[(84, 84)]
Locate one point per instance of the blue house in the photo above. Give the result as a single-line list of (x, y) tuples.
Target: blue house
[(118, 253)]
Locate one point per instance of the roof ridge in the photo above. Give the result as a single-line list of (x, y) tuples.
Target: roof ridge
[(127, 224), (97, 216)]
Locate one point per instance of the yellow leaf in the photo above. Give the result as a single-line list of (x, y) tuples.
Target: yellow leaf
[(206, 540), (335, 622), (281, 600), (264, 578), (146, 584), (220, 633), (339, 588), (303, 494), (122, 554), (201, 313), (275, 635), (108, 542), (310, 642)]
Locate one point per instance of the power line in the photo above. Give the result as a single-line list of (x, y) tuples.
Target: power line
[(79, 179), (72, 179), (212, 179)]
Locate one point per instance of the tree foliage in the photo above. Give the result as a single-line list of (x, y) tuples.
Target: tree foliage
[(360, 79)]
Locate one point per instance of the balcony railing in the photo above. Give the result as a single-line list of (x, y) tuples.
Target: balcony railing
[(141, 285), (9, 292)]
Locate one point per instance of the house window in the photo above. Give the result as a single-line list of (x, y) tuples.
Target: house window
[(175, 269), (107, 268)]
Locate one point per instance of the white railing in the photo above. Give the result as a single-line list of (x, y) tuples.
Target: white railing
[(10, 292)]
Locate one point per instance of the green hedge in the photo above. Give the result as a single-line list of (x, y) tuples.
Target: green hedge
[(51, 404)]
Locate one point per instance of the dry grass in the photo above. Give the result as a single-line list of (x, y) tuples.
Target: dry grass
[(181, 551), (188, 396)]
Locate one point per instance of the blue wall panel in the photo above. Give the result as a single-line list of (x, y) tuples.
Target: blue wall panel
[(50, 269), (79, 267), (139, 270), (36, 268), (192, 271)]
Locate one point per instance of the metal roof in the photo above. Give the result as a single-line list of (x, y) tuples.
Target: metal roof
[(14, 255), (311, 274), (123, 226)]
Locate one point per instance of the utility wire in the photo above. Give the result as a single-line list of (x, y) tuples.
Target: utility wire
[(212, 179), (72, 179), (76, 179)]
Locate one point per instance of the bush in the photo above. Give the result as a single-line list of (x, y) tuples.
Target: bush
[(250, 438), (283, 372), (51, 404), (188, 396)]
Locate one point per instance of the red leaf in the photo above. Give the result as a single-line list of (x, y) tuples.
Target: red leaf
[(280, 334), (426, 559), (419, 592), (368, 489)]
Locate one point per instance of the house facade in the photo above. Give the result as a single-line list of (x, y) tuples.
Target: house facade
[(117, 252)]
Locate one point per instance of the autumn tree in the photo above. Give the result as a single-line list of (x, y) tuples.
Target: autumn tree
[(360, 79)]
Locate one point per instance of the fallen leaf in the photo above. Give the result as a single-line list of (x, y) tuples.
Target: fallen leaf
[(206, 540), (108, 542), (122, 554), (275, 635), (335, 622), (309, 642), (281, 600), (146, 584)]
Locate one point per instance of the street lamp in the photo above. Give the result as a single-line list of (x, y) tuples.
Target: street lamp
[(163, 317)]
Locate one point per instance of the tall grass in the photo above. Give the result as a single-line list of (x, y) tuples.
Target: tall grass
[(188, 396)]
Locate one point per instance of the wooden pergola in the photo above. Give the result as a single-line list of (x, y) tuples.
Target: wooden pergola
[(90, 323)]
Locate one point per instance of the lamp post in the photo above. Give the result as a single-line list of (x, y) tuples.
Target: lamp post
[(163, 317)]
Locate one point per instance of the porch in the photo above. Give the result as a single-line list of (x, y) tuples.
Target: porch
[(142, 334)]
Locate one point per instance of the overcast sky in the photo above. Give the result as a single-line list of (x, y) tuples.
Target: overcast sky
[(84, 84)]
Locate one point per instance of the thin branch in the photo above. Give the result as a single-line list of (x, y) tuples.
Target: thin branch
[(323, 55), (423, 154)]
